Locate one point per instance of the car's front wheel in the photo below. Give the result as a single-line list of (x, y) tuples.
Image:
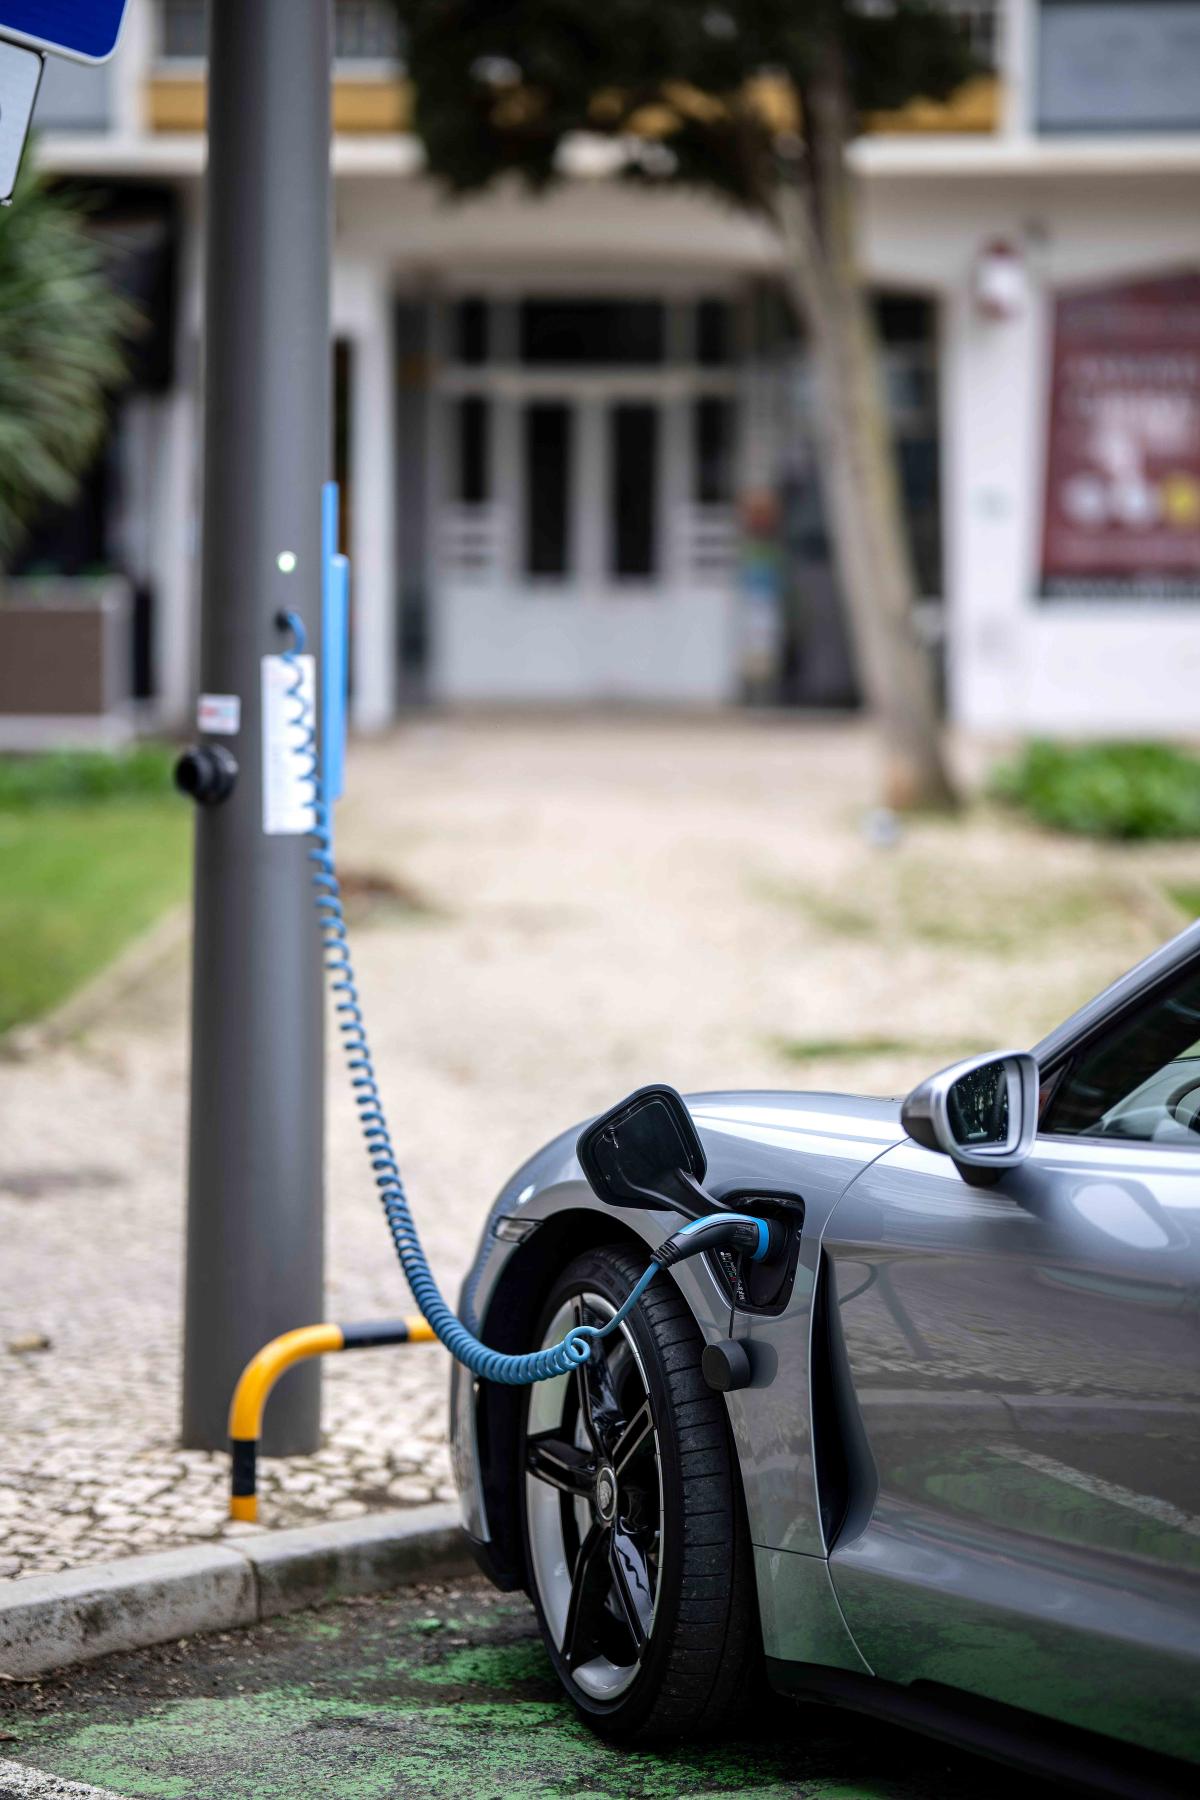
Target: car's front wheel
[(636, 1547)]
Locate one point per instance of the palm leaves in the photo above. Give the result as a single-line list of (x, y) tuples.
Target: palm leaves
[(62, 331)]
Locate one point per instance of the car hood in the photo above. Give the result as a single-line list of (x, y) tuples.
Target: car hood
[(843, 1117), (813, 1144), (808, 1143)]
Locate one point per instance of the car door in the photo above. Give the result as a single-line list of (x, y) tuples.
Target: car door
[(1024, 1361)]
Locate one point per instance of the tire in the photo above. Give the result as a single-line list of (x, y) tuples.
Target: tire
[(643, 1588)]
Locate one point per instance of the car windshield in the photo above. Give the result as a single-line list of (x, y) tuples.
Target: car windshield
[(1139, 1079)]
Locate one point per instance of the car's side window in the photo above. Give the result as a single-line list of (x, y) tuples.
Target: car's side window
[(1140, 1078)]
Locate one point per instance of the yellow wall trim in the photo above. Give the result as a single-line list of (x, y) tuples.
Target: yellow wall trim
[(975, 107), (179, 103)]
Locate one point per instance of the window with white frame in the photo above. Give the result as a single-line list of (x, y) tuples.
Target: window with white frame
[(588, 434), (978, 18), (365, 31), (1118, 65)]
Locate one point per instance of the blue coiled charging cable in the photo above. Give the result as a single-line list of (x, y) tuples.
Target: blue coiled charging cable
[(491, 1365)]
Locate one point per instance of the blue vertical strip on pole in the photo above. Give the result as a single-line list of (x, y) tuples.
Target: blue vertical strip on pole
[(339, 671), (335, 622)]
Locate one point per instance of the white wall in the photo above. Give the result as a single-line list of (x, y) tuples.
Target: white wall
[(505, 643), (501, 638), (1016, 663), (362, 314), (410, 225)]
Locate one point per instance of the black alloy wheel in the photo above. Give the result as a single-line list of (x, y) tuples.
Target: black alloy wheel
[(636, 1547)]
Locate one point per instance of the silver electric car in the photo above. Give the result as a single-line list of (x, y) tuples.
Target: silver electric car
[(936, 1457)]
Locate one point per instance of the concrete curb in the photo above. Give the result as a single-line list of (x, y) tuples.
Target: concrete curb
[(19, 1782), (47, 1621)]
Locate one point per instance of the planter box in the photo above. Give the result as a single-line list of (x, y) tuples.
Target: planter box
[(66, 662)]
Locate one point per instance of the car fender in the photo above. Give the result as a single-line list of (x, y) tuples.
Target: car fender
[(810, 1146)]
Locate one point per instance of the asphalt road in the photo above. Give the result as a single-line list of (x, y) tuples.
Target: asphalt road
[(437, 1691)]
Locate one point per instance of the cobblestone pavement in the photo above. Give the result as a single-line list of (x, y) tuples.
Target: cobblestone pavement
[(597, 904)]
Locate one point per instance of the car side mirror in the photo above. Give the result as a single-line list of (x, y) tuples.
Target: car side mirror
[(645, 1152), (982, 1112)]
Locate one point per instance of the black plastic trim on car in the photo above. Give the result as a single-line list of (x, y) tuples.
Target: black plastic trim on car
[(846, 1477), (1123, 996), (1056, 1060), (1063, 1754)]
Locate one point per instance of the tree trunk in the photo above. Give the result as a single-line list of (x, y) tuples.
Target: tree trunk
[(857, 460)]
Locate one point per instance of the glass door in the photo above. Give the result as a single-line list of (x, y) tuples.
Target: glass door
[(548, 433), (632, 505), (586, 453), (590, 490)]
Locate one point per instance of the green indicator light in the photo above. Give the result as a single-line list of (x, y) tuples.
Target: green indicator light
[(285, 562)]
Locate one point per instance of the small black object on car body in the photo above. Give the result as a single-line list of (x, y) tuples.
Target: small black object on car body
[(725, 1365)]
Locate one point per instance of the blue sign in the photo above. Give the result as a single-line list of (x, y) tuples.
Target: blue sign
[(84, 29)]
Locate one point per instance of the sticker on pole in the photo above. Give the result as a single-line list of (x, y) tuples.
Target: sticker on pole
[(288, 809), (220, 715)]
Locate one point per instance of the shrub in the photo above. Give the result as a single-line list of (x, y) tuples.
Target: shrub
[(82, 777), (1106, 790)]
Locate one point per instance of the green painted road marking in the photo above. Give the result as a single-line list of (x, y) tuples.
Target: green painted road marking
[(436, 1692)]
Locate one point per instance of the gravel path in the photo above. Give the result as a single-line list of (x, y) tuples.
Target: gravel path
[(599, 903)]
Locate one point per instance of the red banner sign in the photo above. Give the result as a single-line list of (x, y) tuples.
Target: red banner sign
[(1123, 468)]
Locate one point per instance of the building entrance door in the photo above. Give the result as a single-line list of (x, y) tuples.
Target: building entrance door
[(586, 545)]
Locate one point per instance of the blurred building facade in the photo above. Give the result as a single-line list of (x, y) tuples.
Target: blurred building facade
[(572, 433)]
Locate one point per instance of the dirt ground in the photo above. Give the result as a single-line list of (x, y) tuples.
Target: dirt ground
[(548, 913)]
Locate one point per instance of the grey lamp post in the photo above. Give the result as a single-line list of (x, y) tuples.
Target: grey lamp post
[(255, 1182)]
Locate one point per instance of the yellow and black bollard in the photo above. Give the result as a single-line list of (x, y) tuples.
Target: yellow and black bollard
[(263, 1371)]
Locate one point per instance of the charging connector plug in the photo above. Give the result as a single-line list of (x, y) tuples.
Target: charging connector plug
[(755, 1238)]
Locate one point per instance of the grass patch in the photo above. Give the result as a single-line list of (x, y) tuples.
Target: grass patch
[(840, 918), (84, 777), (93, 849), (835, 1049), (849, 1049), (1106, 790), (1187, 899), (912, 897)]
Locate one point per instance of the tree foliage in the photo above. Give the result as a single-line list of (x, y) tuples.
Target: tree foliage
[(710, 96), (62, 333), (754, 101)]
